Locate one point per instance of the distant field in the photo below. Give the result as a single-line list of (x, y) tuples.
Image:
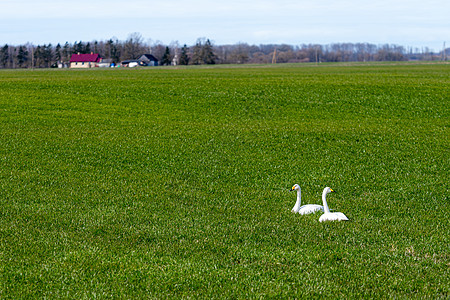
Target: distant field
[(172, 182)]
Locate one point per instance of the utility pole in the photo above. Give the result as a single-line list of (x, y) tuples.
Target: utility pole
[(274, 57)]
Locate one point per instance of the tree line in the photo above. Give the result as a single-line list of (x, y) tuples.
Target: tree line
[(204, 52)]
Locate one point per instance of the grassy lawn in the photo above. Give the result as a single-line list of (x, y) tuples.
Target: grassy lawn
[(169, 182)]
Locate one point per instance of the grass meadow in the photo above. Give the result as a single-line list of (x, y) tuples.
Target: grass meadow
[(174, 182)]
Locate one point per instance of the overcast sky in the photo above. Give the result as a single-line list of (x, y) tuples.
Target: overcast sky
[(410, 23)]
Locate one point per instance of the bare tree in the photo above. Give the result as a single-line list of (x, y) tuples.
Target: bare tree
[(239, 54), (133, 46)]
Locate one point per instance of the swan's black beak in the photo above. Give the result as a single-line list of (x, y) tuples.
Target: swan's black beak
[(332, 190), (292, 189)]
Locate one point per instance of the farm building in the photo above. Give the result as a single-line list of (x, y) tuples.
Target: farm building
[(144, 60), (106, 63), (84, 60), (147, 60), (130, 63)]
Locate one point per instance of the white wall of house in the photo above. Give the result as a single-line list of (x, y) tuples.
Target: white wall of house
[(82, 65)]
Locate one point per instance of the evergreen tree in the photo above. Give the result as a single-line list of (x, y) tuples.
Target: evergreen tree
[(47, 55), (203, 53), (184, 58), (87, 48), (112, 50), (37, 57), (22, 56), (166, 59), (78, 48), (58, 55), (66, 52), (197, 58), (109, 48), (4, 55), (208, 54)]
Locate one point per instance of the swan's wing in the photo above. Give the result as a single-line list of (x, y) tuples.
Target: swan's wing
[(327, 217), (333, 217), (341, 216), (310, 209)]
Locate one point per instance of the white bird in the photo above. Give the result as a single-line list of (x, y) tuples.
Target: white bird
[(305, 209), (330, 216)]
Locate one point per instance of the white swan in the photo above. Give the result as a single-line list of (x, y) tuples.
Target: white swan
[(330, 216), (305, 209)]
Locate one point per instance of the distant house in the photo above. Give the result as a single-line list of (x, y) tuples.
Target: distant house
[(147, 60), (143, 61), (84, 60), (130, 63), (106, 63)]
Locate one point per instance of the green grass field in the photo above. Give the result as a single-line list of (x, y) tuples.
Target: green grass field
[(173, 183)]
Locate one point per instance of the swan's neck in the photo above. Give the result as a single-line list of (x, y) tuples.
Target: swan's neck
[(299, 198), (324, 200)]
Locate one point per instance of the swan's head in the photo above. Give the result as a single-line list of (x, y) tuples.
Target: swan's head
[(296, 187), (328, 190)]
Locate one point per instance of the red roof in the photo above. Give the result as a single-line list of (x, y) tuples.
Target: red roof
[(85, 58)]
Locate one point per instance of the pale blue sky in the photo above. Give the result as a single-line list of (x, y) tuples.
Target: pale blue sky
[(410, 23)]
